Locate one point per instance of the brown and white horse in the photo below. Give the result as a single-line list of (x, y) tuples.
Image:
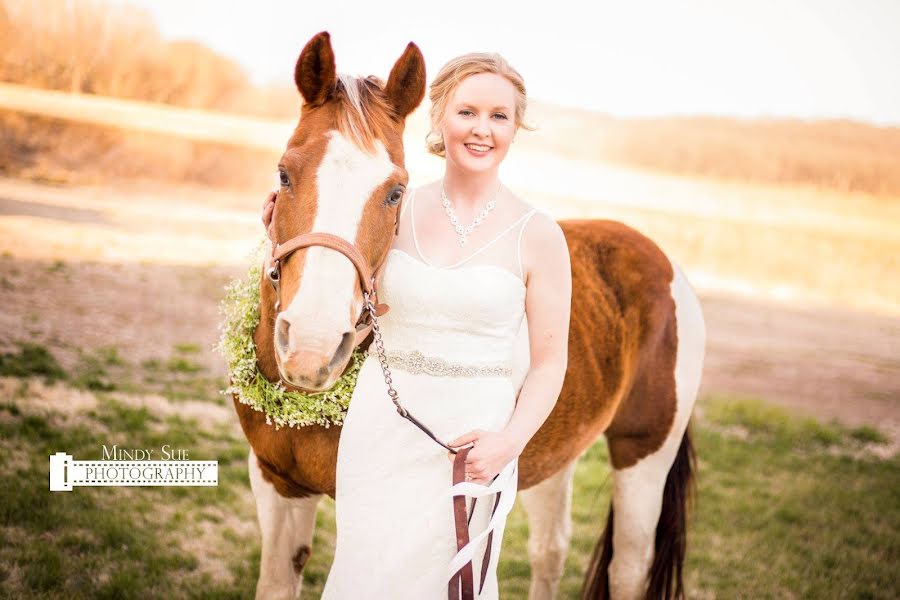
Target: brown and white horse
[(636, 348)]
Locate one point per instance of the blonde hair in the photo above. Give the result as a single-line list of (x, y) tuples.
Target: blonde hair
[(449, 78)]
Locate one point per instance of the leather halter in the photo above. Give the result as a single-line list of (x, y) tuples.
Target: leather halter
[(461, 586), (367, 279)]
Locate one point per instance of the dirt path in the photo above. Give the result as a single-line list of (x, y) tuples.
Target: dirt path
[(93, 269), (826, 362)]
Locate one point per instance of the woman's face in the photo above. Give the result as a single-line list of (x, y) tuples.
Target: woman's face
[(479, 122)]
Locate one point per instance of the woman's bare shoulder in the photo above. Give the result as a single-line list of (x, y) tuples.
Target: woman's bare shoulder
[(544, 242), (523, 207), (542, 229), (519, 205)]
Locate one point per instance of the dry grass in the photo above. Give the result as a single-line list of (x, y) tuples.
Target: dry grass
[(109, 49), (55, 151), (844, 156), (115, 50), (112, 49)]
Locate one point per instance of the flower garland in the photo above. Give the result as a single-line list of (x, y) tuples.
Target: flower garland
[(240, 310)]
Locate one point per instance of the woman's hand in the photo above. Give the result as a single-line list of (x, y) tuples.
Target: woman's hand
[(491, 452), (268, 209)]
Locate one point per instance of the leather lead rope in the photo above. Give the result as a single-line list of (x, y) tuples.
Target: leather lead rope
[(487, 550), (386, 370), (461, 583)]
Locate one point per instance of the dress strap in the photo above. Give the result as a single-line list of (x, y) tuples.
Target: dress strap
[(519, 242), (412, 225), (493, 241), (412, 221), (406, 202)]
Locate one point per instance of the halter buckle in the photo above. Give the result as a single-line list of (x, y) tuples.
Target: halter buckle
[(273, 273)]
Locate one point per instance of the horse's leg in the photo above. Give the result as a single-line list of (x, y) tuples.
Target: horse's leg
[(643, 548), (549, 509), (648, 532), (287, 526)]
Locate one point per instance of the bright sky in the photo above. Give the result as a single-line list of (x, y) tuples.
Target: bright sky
[(792, 58)]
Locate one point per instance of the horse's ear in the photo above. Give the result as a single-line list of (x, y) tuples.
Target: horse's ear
[(315, 73), (406, 84)]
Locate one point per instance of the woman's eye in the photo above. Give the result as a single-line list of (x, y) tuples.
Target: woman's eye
[(466, 112), (501, 115), (284, 179)]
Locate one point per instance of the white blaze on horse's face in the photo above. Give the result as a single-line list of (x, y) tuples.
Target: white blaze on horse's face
[(318, 336)]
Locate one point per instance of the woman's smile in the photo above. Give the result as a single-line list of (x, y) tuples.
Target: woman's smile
[(478, 149)]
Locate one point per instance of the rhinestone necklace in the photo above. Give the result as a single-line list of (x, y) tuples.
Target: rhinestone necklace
[(464, 232)]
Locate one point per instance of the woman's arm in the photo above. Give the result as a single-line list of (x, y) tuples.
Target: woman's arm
[(548, 302)]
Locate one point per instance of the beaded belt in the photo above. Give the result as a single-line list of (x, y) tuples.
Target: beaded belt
[(415, 362)]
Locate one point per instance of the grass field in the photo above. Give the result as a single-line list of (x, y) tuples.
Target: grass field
[(786, 506)]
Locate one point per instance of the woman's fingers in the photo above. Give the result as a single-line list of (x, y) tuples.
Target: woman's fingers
[(269, 208), (467, 438), (473, 474), (270, 198), (479, 480)]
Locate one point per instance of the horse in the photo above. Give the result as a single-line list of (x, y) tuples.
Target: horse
[(636, 349)]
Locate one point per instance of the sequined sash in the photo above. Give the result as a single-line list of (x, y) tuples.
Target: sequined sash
[(415, 362)]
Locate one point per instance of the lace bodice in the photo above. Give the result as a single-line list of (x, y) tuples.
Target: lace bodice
[(470, 312)]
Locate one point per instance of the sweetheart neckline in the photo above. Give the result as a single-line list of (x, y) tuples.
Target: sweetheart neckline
[(458, 268)]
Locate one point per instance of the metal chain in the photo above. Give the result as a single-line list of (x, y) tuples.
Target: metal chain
[(382, 358), (395, 397)]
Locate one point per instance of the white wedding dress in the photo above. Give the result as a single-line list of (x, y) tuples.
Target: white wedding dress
[(395, 527)]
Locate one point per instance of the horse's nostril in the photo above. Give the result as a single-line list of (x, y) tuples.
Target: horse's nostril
[(345, 348), (282, 326)]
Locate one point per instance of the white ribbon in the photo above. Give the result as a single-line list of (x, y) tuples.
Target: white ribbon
[(505, 482)]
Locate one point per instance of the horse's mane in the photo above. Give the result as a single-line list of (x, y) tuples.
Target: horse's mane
[(363, 110)]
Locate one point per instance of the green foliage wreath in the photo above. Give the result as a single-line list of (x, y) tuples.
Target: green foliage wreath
[(240, 310)]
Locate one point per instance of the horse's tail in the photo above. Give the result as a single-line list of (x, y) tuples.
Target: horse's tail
[(665, 578), (665, 575), (596, 578)]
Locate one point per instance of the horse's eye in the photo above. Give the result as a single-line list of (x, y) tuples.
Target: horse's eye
[(285, 182), (395, 196)]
